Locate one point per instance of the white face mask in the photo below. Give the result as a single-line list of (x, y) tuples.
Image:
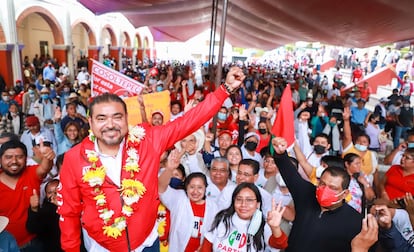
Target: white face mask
[(255, 222), (360, 147), (280, 181)]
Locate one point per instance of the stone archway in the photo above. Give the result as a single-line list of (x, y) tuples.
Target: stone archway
[(40, 33), (48, 17), (84, 44), (108, 39)]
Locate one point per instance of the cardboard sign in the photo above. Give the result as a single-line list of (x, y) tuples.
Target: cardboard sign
[(159, 101), (107, 80)]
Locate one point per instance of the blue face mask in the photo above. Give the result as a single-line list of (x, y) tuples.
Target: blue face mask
[(45, 96), (360, 147), (159, 88), (176, 183), (222, 116), (410, 145)]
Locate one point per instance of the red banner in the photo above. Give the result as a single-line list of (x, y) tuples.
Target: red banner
[(107, 80)]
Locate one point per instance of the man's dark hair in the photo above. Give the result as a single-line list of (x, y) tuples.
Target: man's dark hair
[(12, 145), (362, 134), (10, 136), (322, 135), (71, 104), (106, 98), (177, 103), (252, 163), (338, 172), (333, 161)]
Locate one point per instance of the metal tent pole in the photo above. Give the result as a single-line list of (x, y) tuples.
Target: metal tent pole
[(222, 38)]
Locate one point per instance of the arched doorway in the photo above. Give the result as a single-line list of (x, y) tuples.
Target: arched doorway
[(126, 50), (147, 50), (40, 33), (83, 45)]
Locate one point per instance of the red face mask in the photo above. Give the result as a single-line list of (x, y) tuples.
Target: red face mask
[(326, 196)]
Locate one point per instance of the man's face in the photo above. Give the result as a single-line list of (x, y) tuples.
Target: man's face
[(321, 141), (335, 184), (71, 110), (224, 141), (13, 162), (175, 109), (219, 173), (156, 119), (109, 123), (245, 174), (34, 129)]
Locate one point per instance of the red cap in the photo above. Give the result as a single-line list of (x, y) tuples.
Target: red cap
[(32, 121), (222, 132)]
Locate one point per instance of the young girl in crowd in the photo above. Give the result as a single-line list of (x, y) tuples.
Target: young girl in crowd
[(242, 227), (234, 156)]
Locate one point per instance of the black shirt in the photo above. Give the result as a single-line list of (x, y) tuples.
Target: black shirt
[(314, 230)]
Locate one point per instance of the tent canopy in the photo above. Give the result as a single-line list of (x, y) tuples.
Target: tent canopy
[(267, 24)]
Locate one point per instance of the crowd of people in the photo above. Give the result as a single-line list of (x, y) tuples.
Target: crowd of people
[(75, 176)]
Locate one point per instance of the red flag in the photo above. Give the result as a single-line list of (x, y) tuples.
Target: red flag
[(284, 125)]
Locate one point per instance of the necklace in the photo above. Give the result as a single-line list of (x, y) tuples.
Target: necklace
[(131, 188)]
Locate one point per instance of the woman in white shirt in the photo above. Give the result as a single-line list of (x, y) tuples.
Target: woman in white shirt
[(191, 213), (242, 227)]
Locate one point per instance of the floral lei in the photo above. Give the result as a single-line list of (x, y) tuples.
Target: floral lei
[(131, 189)]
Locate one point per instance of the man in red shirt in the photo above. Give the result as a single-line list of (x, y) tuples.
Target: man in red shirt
[(357, 74), (18, 183), (109, 180), (365, 91)]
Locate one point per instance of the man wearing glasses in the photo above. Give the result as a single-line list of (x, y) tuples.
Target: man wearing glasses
[(220, 188)]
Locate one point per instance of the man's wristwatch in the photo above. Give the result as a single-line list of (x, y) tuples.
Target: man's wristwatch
[(229, 89)]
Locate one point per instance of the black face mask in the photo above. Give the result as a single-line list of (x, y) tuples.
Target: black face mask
[(176, 183), (250, 146), (262, 131), (319, 149)]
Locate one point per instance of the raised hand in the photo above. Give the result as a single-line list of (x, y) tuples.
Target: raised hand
[(347, 113), (243, 113), (173, 159), (235, 77), (58, 114), (209, 137), (279, 145), (34, 201), (384, 216), (409, 203), (274, 216), (189, 105), (368, 235), (46, 151)]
